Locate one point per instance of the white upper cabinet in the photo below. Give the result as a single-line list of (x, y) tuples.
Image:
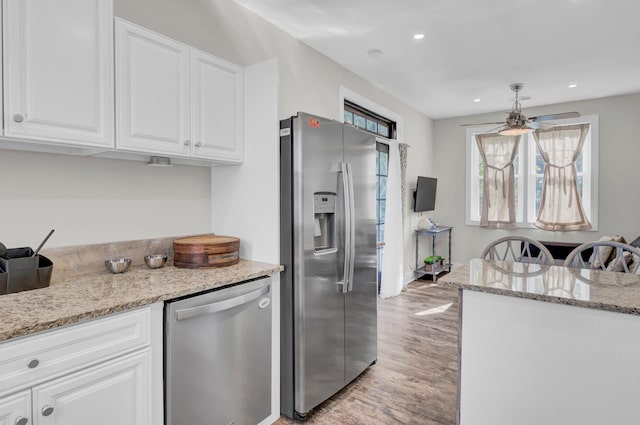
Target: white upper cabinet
[(58, 71), (152, 92), (174, 100), (216, 107)]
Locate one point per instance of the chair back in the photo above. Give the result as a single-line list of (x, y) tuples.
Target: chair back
[(517, 249), (606, 255)]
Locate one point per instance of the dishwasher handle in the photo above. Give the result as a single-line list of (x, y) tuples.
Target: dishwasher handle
[(189, 313)]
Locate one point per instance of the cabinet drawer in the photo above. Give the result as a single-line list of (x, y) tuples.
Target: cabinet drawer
[(33, 359)]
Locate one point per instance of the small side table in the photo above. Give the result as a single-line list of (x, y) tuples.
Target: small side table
[(437, 269)]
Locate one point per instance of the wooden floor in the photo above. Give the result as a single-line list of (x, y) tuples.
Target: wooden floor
[(414, 381)]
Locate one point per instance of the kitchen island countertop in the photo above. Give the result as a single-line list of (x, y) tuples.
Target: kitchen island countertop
[(596, 289), (98, 294)]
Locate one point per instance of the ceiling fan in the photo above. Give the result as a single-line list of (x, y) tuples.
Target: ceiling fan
[(517, 124)]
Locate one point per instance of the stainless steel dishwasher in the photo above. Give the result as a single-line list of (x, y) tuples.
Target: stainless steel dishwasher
[(218, 356)]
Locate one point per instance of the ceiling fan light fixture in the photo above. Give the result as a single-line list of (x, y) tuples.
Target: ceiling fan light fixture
[(517, 123), (515, 131)]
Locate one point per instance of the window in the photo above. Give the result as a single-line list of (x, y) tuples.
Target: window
[(369, 121), (528, 175), (382, 172)]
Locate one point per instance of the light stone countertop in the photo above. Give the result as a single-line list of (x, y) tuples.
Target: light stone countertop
[(100, 293), (596, 289)]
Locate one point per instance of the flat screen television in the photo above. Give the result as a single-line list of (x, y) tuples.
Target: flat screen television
[(425, 194)]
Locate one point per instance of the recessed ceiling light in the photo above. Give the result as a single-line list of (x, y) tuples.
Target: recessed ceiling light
[(374, 53), (418, 36), (573, 86), (476, 100)]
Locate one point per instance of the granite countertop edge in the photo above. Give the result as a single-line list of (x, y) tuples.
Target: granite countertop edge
[(100, 294), (544, 298), (608, 291)]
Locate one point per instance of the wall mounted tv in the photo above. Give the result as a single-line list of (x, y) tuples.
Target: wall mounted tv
[(425, 194)]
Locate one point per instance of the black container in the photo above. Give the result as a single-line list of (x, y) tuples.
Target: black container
[(24, 271)]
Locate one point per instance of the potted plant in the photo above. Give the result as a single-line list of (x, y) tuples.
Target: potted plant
[(432, 264)]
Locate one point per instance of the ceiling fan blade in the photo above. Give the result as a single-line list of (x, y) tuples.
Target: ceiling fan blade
[(495, 129), (555, 116), (481, 123)]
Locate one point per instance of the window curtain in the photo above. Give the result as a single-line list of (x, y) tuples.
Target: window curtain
[(393, 257), (498, 193), (561, 206), (403, 150)]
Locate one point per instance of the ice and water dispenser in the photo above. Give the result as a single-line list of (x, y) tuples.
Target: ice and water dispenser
[(324, 214)]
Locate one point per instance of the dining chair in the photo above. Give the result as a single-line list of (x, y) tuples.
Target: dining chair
[(607, 255), (517, 249)]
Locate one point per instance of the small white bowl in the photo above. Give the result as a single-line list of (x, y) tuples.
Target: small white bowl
[(118, 265), (155, 261)]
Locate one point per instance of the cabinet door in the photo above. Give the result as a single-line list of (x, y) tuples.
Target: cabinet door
[(216, 107), (152, 91), (1, 77), (58, 71), (16, 409), (116, 392)]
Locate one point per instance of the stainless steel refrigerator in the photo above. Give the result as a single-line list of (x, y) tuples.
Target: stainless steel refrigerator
[(328, 248)]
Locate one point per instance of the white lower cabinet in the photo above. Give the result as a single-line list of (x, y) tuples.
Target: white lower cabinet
[(117, 392), (43, 383), (16, 409)]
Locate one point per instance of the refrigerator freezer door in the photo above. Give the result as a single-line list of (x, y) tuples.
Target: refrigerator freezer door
[(361, 300), (318, 305)]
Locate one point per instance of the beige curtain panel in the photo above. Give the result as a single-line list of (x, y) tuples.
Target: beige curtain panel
[(498, 194), (561, 206)]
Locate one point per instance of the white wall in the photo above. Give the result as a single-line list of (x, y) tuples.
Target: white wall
[(246, 198), (92, 200), (421, 161), (619, 174)]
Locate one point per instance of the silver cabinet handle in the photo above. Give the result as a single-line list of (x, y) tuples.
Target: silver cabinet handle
[(187, 142), (21, 420), (18, 118), (47, 410), (33, 363), (198, 144)]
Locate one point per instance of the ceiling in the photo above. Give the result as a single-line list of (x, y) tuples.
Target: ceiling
[(473, 49)]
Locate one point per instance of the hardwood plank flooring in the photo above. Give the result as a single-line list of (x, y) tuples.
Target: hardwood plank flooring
[(414, 380)]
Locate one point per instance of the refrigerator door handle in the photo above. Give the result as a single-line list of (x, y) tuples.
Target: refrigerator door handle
[(346, 192), (351, 228)]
